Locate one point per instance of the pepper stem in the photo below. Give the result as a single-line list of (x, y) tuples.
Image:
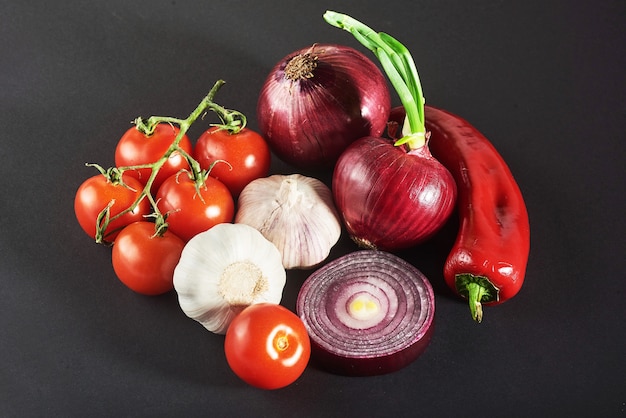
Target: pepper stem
[(476, 293), (476, 289)]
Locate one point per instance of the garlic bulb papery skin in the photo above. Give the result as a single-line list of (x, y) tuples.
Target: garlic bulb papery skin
[(225, 269), (296, 213)]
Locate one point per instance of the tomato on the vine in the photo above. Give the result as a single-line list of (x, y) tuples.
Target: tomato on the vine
[(135, 148), (145, 262), (98, 192), (247, 153), (191, 211), (267, 346)]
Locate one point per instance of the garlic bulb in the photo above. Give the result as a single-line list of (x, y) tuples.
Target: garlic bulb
[(294, 212), (225, 269)]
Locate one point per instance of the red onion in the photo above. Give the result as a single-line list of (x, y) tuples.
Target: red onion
[(392, 195), (367, 313), (318, 100), (389, 198)]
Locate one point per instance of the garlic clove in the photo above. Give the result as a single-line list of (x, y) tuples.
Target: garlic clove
[(296, 213), (225, 269)]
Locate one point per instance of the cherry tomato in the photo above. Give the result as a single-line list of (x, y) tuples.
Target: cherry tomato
[(135, 148), (145, 262), (189, 213), (97, 192), (267, 346), (247, 153)]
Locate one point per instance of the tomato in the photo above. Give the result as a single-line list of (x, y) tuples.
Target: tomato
[(145, 262), (97, 192), (135, 148), (267, 346), (189, 213), (247, 153)]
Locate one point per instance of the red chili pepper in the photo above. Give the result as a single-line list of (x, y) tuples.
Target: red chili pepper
[(488, 260)]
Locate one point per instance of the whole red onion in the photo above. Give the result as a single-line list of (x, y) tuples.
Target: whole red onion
[(390, 198), (318, 100), (392, 195)]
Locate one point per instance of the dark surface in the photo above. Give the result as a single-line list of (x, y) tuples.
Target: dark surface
[(543, 80)]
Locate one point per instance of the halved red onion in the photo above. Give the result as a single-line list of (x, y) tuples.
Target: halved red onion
[(318, 100), (367, 313)]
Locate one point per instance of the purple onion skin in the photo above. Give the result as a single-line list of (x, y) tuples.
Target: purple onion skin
[(391, 199), (309, 122)]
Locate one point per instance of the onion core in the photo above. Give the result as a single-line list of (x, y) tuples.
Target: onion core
[(367, 313)]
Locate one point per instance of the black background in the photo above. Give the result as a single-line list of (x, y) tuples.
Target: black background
[(544, 80)]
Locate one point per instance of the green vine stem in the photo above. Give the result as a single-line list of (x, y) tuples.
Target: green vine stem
[(232, 120), (400, 68)]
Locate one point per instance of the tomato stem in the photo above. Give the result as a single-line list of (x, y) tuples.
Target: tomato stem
[(148, 126), (400, 68), (232, 120)]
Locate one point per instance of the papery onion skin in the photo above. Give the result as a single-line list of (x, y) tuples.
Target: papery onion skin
[(385, 346), (309, 121), (390, 199)]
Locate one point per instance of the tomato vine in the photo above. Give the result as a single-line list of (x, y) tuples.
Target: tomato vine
[(232, 120)]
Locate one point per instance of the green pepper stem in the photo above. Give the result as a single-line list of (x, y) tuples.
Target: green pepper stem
[(232, 121), (399, 66), (476, 293), (476, 289)]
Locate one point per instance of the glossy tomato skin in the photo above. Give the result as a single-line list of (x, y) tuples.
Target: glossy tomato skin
[(95, 193), (144, 262), (135, 148), (267, 346), (247, 153), (187, 213)]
